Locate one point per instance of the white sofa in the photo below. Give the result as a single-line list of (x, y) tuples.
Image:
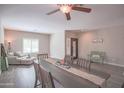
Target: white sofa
[(17, 58), (13, 60)]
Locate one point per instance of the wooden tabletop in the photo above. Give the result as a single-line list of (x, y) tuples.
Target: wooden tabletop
[(67, 79)]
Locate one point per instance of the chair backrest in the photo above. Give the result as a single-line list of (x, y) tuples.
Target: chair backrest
[(42, 56), (46, 78), (37, 73), (84, 63), (68, 59)]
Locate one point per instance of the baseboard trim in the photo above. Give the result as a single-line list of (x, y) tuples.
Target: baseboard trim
[(114, 64)]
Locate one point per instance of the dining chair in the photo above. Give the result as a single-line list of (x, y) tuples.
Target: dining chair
[(68, 59), (47, 79), (84, 63), (42, 56), (37, 74)]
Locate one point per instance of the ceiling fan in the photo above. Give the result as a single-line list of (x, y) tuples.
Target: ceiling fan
[(67, 8)]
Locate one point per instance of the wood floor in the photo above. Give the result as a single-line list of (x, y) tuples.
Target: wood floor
[(20, 76)]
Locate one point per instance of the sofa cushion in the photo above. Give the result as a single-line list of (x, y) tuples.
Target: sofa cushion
[(11, 54), (19, 54)]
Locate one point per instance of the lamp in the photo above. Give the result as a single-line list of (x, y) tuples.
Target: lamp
[(9, 46), (65, 8)]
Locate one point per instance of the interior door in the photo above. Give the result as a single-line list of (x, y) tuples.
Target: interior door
[(74, 47)]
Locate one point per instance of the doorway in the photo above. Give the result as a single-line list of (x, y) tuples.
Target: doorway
[(74, 47)]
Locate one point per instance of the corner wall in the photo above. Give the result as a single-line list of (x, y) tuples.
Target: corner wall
[(57, 45)]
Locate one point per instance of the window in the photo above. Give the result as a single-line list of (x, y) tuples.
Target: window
[(30, 45)]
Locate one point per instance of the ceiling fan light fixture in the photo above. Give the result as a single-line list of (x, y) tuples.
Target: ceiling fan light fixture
[(66, 8)]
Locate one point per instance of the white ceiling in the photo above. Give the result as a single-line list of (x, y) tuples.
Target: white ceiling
[(33, 17)]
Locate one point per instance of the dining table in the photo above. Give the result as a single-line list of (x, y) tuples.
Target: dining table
[(67, 79)]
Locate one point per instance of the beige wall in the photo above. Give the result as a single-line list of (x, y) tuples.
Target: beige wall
[(57, 44), (113, 44), (16, 38)]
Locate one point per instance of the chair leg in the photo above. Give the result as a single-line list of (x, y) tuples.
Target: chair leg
[(105, 83), (35, 85), (89, 67)]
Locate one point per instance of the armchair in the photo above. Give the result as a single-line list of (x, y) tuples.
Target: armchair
[(97, 56)]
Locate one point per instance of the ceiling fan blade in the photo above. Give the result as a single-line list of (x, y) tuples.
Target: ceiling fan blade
[(82, 9), (77, 5), (54, 11), (68, 17)]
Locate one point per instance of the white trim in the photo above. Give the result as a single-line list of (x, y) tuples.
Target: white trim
[(114, 64)]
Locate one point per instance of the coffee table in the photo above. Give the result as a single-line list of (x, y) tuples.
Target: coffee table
[(26, 60)]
